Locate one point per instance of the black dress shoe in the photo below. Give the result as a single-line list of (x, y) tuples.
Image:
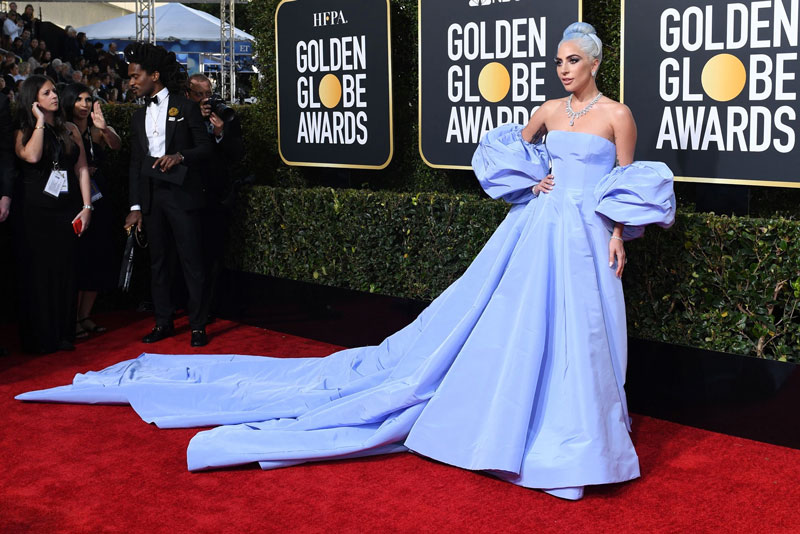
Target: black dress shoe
[(159, 333), (199, 338)]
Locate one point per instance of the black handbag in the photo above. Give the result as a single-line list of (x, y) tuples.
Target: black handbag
[(135, 237)]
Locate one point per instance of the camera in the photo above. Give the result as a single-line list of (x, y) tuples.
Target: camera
[(220, 109)]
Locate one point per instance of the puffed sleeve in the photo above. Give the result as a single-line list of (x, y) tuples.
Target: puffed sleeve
[(507, 166), (636, 195)]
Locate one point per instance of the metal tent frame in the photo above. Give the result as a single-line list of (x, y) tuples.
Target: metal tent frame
[(227, 49), (146, 32), (146, 21)]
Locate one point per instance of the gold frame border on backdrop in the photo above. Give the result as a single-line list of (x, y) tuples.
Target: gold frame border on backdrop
[(419, 90), (695, 179), (391, 103)]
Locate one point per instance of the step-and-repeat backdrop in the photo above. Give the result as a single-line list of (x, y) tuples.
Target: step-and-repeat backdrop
[(713, 87), (334, 83)]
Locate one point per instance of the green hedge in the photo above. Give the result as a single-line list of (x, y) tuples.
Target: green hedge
[(727, 284), (730, 284), (402, 244)]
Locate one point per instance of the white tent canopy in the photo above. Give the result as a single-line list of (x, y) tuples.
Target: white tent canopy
[(174, 22)]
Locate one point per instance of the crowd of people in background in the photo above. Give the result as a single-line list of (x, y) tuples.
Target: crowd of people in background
[(54, 187), (73, 59)]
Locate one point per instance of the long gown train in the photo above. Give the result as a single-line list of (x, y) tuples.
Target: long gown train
[(517, 368)]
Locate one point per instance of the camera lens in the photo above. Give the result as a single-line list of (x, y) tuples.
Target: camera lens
[(220, 109)]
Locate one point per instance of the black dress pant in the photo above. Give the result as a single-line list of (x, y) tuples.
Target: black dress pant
[(216, 221), (174, 230)]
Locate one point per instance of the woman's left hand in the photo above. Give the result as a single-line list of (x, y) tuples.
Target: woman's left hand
[(616, 251), (85, 216), (97, 116)]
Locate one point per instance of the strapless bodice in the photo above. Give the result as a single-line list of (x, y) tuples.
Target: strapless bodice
[(579, 160), (582, 165)]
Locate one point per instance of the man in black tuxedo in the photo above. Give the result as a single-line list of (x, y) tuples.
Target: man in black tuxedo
[(7, 173), (169, 146)]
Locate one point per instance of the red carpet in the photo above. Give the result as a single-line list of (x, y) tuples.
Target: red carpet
[(72, 468)]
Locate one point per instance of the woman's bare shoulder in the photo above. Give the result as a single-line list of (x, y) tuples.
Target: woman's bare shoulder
[(618, 110), (554, 103), (548, 108)]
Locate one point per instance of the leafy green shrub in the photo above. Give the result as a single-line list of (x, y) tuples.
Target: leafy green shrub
[(403, 244), (723, 283)]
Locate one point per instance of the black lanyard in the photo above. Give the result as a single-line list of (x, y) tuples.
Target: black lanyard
[(57, 145), (88, 135)]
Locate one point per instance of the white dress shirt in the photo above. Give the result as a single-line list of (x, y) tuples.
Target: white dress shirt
[(155, 128), (155, 124)]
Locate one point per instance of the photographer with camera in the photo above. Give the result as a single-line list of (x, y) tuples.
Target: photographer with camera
[(225, 134)]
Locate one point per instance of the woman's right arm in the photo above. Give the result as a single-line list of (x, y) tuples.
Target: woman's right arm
[(532, 133), (536, 128), (32, 150)]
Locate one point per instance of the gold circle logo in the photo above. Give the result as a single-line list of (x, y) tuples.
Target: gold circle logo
[(494, 82), (723, 77), (330, 91)]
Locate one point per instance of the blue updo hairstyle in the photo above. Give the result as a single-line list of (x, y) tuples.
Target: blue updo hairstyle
[(586, 37)]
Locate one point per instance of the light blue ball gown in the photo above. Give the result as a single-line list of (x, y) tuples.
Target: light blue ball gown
[(516, 369)]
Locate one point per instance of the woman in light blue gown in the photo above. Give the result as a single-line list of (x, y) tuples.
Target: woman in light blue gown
[(516, 369)]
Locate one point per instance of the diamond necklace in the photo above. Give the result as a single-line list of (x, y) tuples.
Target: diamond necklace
[(578, 114)]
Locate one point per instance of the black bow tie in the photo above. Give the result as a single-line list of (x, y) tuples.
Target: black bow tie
[(150, 100)]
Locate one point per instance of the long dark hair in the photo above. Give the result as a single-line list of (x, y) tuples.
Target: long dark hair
[(28, 94), (154, 58), (68, 98)]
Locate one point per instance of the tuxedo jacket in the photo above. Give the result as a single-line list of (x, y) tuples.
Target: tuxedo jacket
[(185, 133)]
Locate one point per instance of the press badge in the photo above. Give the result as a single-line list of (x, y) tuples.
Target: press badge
[(96, 194), (57, 183)]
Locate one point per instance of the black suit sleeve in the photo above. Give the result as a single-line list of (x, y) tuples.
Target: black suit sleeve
[(137, 155), (7, 170), (232, 144), (200, 152)]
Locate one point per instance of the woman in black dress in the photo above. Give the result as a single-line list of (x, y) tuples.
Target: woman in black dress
[(97, 266), (54, 205)]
